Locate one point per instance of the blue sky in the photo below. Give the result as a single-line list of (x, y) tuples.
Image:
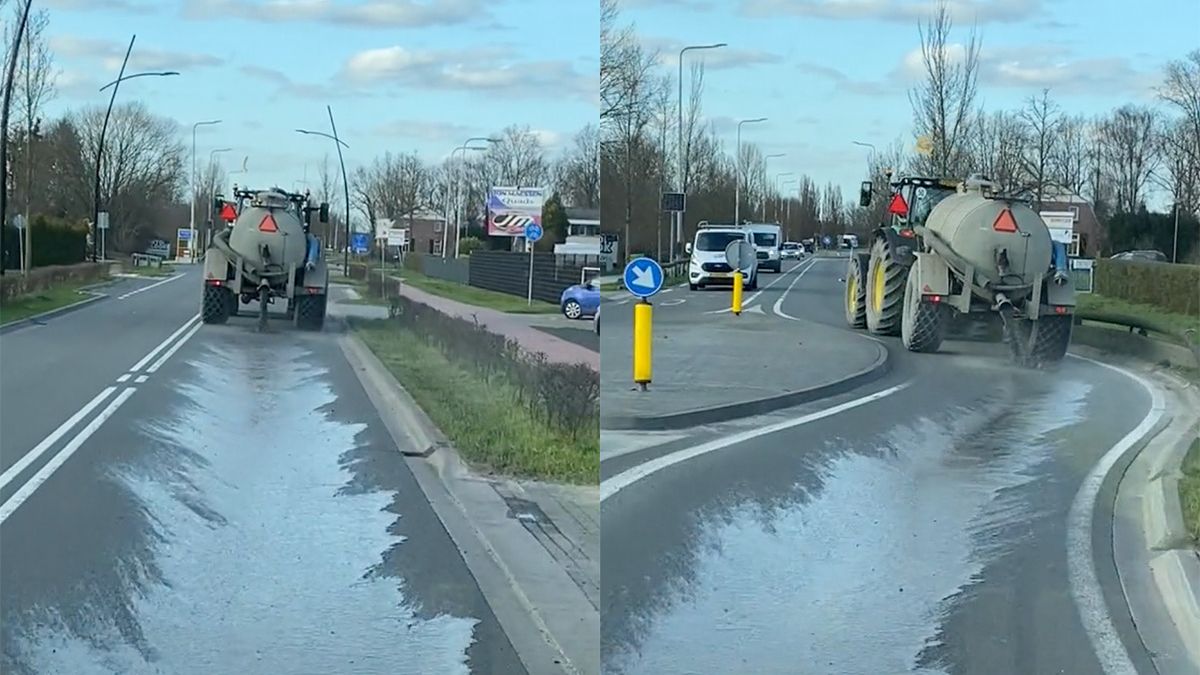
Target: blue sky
[(401, 75), (830, 72)]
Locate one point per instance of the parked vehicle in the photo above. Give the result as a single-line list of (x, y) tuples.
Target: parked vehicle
[(707, 263), (791, 250), (1142, 256), (581, 300)]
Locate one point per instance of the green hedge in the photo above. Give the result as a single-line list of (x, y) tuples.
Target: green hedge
[(1175, 288), (55, 242)]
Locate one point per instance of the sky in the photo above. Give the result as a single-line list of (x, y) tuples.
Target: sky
[(401, 75), (827, 73)]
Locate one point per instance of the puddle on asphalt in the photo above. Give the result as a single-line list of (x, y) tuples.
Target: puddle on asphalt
[(262, 555), (855, 577)]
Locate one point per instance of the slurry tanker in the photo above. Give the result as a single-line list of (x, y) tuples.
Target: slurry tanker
[(954, 249), (267, 254)]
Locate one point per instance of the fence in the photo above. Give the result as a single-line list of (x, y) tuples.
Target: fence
[(449, 269), (508, 272)]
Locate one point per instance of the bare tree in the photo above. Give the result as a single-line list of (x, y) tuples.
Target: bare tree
[(1181, 87), (1042, 120), (1129, 154), (1182, 180), (942, 104), (1068, 165), (577, 174), (518, 158)]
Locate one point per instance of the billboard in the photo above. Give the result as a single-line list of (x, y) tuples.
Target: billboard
[(510, 209)]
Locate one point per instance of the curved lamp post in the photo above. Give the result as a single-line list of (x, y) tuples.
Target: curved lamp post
[(458, 201), (116, 85), (737, 189), (345, 185)]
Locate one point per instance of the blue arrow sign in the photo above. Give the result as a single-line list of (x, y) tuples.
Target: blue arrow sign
[(533, 232), (643, 277), (360, 242)]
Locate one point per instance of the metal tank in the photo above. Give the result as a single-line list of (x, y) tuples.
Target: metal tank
[(268, 236), (976, 229)]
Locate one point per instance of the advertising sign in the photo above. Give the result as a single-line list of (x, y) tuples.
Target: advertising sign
[(511, 209)]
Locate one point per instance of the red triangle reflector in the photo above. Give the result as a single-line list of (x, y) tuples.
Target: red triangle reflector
[(268, 224), (1005, 222), (228, 214), (898, 207)]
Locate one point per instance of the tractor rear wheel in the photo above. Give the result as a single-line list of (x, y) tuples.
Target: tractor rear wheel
[(856, 292), (924, 323), (886, 279), (310, 312), (1052, 339), (214, 304)]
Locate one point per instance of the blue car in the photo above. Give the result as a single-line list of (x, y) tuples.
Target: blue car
[(580, 300)]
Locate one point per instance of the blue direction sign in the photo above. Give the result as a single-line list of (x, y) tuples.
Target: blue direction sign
[(533, 232), (360, 242), (643, 277), (827, 240)]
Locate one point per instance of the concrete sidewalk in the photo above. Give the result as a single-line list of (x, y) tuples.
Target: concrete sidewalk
[(714, 368)]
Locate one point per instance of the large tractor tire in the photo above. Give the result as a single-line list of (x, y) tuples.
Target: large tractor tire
[(856, 293), (1052, 340), (923, 325), (214, 304), (886, 279), (310, 312)]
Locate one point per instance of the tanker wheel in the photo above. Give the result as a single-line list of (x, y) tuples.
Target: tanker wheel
[(264, 296), (1052, 339), (214, 305), (856, 293), (310, 312), (923, 326), (886, 279)]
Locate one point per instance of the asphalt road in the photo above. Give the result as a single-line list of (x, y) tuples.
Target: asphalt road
[(233, 505), (917, 525)]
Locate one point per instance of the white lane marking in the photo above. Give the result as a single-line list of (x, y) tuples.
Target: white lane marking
[(123, 378), (779, 303), (163, 359), (41, 448), (748, 301), (672, 303), (153, 285), (162, 345), (141, 379), (43, 474), (1081, 566), (628, 477)]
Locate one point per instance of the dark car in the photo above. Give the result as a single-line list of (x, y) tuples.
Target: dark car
[(1142, 256)]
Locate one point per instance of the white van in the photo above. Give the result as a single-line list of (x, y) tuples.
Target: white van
[(768, 242), (707, 263)]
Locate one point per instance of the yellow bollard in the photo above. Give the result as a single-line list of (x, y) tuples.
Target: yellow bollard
[(737, 292), (642, 333)]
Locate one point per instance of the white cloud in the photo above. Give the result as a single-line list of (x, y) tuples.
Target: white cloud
[(368, 14), (447, 132), (105, 5), (110, 54), (899, 11), (463, 70)]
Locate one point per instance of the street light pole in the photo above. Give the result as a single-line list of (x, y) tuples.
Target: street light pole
[(115, 84), (345, 185), (777, 190), (212, 172), (766, 197), (457, 191), (737, 185), (677, 230), (194, 190)]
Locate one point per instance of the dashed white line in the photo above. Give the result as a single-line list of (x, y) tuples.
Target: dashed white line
[(141, 379), (153, 285), (162, 345), (43, 474), (613, 485), (40, 449), (123, 378), (174, 348)]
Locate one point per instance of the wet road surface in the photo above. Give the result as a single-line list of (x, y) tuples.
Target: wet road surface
[(243, 510), (922, 532)]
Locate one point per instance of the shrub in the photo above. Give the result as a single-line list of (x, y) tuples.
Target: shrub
[(1175, 288)]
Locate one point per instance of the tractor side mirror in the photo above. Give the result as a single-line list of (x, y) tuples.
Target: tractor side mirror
[(864, 193), (324, 213), (687, 248)]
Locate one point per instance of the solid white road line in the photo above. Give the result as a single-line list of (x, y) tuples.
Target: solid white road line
[(746, 303), (153, 285), (163, 359), (41, 448), (43, 474), (779, 303), (628, 477), (1081, 565), (163, 345)]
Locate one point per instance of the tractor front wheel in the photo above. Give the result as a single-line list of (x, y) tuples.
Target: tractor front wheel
[(886, 279)]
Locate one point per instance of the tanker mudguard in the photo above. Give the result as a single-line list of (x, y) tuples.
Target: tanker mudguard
[(933, 275)]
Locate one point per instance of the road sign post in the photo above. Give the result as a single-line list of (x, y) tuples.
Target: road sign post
[(102, 225), (643, 278), (533, 232), (740, 256)]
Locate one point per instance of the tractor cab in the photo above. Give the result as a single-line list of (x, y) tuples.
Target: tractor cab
[(911, 200)]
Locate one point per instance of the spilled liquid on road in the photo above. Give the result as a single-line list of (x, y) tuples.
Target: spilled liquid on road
[(264, 550), (856, 574)]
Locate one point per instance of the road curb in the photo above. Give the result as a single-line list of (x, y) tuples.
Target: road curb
[(731, 411), (541, 618), (1127, 343), (37, 318)]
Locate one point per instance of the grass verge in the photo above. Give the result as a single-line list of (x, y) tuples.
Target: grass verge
[(146, 271), (32, 304), (470, 295), (480, 417), (1189, 491), (1100, 303)]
